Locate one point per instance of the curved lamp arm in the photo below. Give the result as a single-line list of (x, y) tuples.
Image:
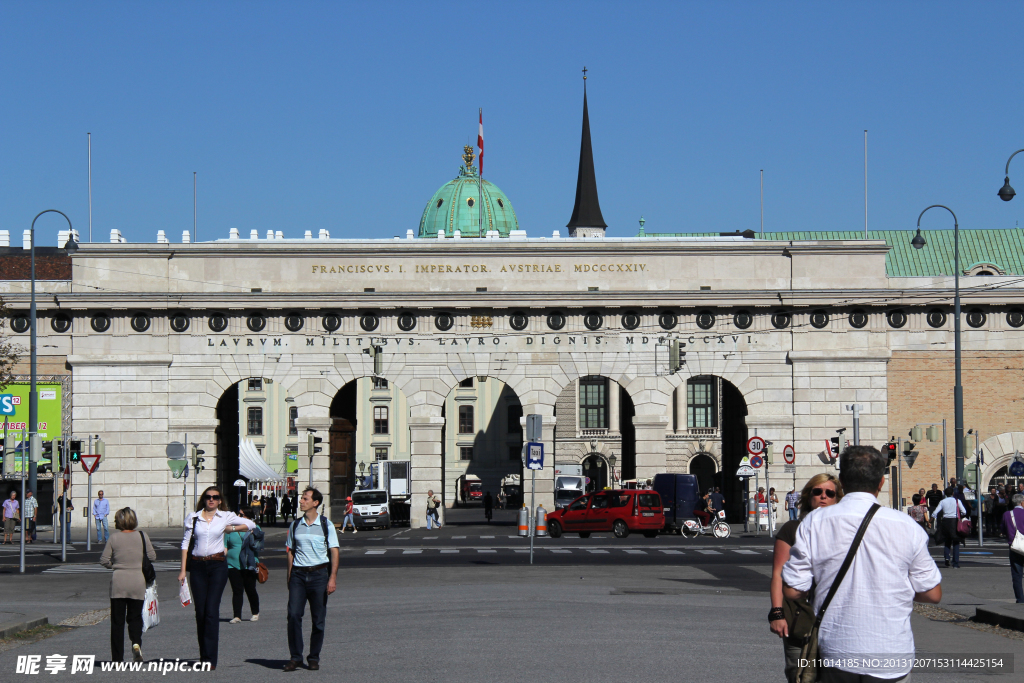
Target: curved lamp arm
[(1006, 192), (1011, 159), (940, 206), (49, 211)]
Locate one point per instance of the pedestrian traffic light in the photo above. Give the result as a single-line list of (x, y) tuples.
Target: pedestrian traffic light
[(377, 354), (676, 356), (908, 446), (197, 461), (932, 433), (769, 453), (968, 445), (889, 450), (75, 446), (99, 448), (311, 443), (916, 433)]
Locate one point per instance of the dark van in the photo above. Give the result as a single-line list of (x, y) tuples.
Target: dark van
[(679, 495)]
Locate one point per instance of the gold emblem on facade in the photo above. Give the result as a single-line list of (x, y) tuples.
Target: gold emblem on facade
[(481, 321)]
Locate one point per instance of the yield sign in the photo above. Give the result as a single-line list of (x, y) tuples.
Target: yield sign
[(90, 463)]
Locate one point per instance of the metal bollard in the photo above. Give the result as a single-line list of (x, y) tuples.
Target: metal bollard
[(542, 521), (524, 521)]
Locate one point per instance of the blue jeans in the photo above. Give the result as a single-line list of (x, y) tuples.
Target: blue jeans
[(349, 519), (306, 587), (433, 518), (208, 581), (102, 522), (1017, 574), (792, 514)]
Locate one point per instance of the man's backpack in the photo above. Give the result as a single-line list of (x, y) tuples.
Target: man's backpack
[(323, 525)]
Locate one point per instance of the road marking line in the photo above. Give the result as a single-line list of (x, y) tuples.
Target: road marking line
[(487, 537), (596, 551), (376, 552), (745, 552), (560, 550), (634, 552), (411, 552), (672, 552), (458, 536), (709, 552), (521, 550), (430, 538), (449, 550), (485, 550)]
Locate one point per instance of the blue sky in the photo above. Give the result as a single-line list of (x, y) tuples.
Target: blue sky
[(309, 115)]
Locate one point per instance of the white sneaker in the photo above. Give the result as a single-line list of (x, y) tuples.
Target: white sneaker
[(136, 653), (236, 620), (355, 531), (255, 617)]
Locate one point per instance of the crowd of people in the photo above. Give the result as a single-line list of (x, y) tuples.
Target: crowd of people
[(265, 509)]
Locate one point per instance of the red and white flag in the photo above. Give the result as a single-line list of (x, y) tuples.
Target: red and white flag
[(480, 142)]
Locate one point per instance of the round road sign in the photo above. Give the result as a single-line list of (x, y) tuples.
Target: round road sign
[(755, 445), (789, 455), (1017, 468), (175, 450), (756, 461)]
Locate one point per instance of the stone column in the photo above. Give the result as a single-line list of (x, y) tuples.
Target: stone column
[(425, 454), (545, 492), (614, 415), (681, 408), (650, 445)]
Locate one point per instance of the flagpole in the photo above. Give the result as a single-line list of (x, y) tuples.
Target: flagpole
[(480, 180)]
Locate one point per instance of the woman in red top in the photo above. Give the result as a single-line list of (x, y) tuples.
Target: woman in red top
[(349, 517)]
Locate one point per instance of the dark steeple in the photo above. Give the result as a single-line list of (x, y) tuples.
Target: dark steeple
[(587, 212)]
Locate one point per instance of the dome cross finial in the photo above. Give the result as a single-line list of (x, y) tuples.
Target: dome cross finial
[(468, 156)]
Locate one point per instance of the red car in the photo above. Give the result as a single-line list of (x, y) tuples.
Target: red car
[(620, 512)]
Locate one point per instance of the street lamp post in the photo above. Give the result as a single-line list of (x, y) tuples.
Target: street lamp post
[(1006, 192), (958, 390)]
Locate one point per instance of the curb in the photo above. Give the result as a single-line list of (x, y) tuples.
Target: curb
[(26, 622), (1000, 616)]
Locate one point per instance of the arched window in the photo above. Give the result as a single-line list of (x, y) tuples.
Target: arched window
[(466, 420), (1002, 477)]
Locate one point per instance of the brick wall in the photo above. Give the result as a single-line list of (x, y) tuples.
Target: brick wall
[(921, 390)]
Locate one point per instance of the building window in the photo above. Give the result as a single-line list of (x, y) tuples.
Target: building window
[(515, 412), (593, 403), (701, 403), (515, 453), (255, 421), (255, 384), (380, 383), (380, 454), (293, 415), (466, 383), (465, 419), (466, 453), (380, 420)]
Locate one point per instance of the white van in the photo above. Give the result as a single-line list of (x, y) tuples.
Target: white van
[(372, 509)]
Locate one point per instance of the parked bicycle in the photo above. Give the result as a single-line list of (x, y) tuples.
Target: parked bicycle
[(719, 528)]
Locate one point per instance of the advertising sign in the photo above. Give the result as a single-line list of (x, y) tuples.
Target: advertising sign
[(15, 417)]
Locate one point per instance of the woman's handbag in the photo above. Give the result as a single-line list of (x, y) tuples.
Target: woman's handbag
[(1017, 545), (963, 524), (147, 567), (262, 573), (808, 672)]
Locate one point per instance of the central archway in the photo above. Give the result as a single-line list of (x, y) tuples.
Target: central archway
[(597, 471), (703, 466)]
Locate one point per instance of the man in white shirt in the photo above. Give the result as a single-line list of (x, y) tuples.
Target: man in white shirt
[(100, 510), (869, 616)]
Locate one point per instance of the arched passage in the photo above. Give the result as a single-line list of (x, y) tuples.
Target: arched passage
[(595, 417), (703, 465), (734, 447)]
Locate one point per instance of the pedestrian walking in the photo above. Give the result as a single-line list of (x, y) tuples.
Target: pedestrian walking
[(100, 510), (432, 510), (1013, 526), (12, 513), (312, 547), (872, 563), (791, 620), (947, 517), (919, 511), (271, 511), (488, 506), (792, 504), (243, 548), (63, 516), (204, 557), (350, 517), (255, 508), (30, 515), (934, 497), (123, 553), (773, 502), (717, 500), (286, 507)]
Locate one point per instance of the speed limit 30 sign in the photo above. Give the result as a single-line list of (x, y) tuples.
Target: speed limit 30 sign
[(755, 445)]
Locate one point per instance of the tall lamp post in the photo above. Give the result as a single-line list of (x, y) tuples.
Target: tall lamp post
[(1006, 192), (958, 390), (33, 397)]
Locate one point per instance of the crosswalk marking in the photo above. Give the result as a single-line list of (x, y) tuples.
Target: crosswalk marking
[(97, 569), (375, 552), (408, 552), (521, 550), (452, 536), (596, 551), (560, 550), (169, 566), (635, 552), (672, 552), (486, 550), (745, 552), (445, 551), (487, 537), (709, 552)]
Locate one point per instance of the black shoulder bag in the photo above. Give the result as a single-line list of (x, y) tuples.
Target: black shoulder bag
[(147, 565), (808, 673), (191, 545)]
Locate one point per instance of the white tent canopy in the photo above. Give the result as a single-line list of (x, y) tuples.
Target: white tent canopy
[(252, 466)]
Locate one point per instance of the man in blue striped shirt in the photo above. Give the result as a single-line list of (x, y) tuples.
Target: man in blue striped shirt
[(312, 545)]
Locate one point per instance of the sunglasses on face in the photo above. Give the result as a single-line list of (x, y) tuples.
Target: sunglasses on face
[(210, 497), (828, 492)]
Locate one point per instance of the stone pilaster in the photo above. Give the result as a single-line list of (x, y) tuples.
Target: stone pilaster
[(425, 453)]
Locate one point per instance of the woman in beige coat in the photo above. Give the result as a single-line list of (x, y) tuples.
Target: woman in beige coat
[(123, 554)]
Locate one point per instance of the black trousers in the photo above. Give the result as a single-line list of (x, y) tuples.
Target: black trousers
[(243, 581), (208, 582), (121, 610)]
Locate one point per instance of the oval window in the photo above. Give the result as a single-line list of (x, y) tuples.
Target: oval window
[(100, 322), (705, 320), (179, 322), (976, 317), (406, 322), (819, 319), (218, 322), (20, 323), (140, 322), (630, 320), (556, 321), (897, 318), (332, 322), (440, 202), (593, 320), (500, 203), (256, 322), (518, 321), (668, 320), (936, 317), (742, 319), (1015, 317), (60, 323), (470, 202), (293, 322), (780, 320), (444, 321), (858, 319)]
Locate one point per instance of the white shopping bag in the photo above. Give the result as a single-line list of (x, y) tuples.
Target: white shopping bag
[(150, 609), (184, 594)]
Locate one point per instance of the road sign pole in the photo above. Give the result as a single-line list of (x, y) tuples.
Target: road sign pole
[(532, 516), (88, 516), (24, 517)]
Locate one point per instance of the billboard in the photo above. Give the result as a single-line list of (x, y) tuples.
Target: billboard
[(49, 413)]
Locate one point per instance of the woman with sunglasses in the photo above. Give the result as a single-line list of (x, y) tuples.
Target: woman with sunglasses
[(204, 540), (786, 615)]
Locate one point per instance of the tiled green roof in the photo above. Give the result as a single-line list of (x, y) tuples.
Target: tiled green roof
[(1002, 248)]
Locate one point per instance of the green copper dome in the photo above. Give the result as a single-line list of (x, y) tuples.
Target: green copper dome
[(454, 206)]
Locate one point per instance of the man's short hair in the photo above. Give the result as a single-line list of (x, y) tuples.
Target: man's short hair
[(1017, 499), (861, 469), (315, 494)]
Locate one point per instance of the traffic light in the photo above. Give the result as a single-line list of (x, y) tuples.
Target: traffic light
[(968, 445), (916, 433), (311, 444), (197, 461), (377, 354), (889, 450), (769, 453), (908, 446), (99, 448), (932, 433), (838, 445), (676, 356), (76, 450)]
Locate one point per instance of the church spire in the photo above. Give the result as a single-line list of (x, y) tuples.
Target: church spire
[(587, 211)]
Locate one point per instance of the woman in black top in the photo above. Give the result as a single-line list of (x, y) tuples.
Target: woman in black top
[(819, 491)]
